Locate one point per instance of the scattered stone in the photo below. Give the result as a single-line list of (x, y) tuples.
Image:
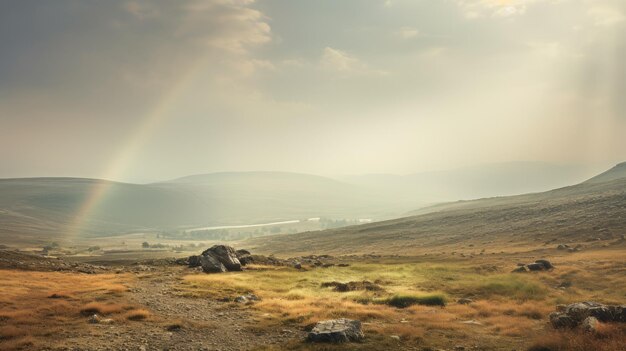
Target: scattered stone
[(247, 298), (395, 337), (94, 319), (539, 265), (562, 247), (336, 331), (465, 301)]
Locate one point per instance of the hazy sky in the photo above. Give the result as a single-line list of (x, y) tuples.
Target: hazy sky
[(139, 91)]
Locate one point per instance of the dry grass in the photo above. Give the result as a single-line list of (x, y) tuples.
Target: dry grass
[(36, 306), (511, 309), (137, 315), (291, 296), (610, 337)]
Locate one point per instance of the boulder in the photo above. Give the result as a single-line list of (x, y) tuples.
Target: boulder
[(336, 331), (545, 263), (535, 267), (211, 265), (226, 255), (194, 261)]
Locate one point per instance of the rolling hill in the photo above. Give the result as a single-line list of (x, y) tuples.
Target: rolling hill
[(497, 179), (590, 212), (38, 209)]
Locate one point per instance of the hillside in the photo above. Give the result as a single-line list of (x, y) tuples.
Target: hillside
[(617, 172), (582, 214), (498, 179), (44, 209)]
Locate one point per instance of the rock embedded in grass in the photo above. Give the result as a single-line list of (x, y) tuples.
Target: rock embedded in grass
[(226, 255), (575, 314), (538, 265), (336, 331)]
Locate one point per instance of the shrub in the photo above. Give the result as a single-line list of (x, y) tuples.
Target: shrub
[(403, 301), (137, 315)]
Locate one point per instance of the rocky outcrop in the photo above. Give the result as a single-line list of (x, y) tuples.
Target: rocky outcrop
[(336, 331), (576, 314)]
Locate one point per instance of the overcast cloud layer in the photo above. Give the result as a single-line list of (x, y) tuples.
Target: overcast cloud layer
[(139, 91)]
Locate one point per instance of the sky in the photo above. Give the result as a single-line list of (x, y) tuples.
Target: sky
[(148, 90)]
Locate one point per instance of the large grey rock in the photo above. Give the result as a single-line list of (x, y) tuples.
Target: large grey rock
[(336, 331), (226, 255), (210, 264)]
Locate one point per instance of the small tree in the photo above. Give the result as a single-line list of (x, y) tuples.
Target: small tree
[(145, 245)]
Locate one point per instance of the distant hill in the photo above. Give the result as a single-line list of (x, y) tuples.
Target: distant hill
[(48, 208), (498, 179), (579, 214), (44, 209), (617, 172)]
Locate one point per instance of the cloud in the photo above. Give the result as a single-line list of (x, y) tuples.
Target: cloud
[(407, 32), (605, 16), (337, 60), (494, 8)]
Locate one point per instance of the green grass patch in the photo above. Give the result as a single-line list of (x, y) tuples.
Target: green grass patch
[(404, 301), (512, 286)]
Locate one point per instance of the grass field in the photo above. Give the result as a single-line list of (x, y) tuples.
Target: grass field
[(38, 307), (509, 310)]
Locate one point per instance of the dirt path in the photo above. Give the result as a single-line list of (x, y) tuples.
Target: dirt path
[(179, 323)]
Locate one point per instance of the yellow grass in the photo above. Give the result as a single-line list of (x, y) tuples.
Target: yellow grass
[(35, 306)]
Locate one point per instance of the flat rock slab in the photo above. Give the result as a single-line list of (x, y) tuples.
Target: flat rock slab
[(337, 331)]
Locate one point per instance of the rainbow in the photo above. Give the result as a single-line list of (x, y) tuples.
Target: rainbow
[(146, 128)]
